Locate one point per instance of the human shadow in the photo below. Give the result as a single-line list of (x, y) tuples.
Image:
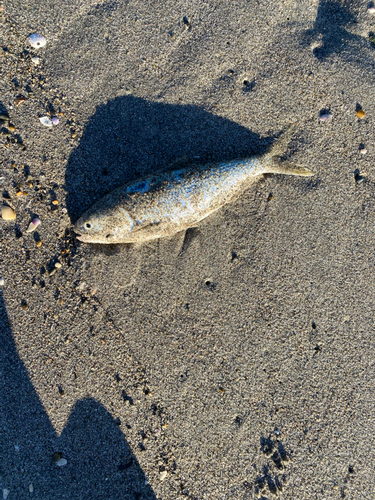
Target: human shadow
[(130, 137), (331, 36), (100, 463)]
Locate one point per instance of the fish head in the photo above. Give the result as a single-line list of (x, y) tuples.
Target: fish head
[(104, 225)]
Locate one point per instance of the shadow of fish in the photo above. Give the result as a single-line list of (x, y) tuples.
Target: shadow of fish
[(167, 203)]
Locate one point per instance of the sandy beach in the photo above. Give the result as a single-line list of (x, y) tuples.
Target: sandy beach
[(234, 361)]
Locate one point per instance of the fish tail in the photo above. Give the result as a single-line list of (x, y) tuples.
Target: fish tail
[(275, 165)]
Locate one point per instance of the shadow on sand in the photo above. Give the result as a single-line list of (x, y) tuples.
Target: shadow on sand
[(332, 33), (130, 138), (100, 462)]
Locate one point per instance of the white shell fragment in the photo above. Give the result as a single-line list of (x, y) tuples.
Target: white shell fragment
[(325, 117), (371, 10), (31, 487), (35, 60), (55, 120), (5, 493), (62, 462), (1, 281), (33, 225), (45, 121), (163, 475), (36, 41)]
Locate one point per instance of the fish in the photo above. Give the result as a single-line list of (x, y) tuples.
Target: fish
[(166, 203)]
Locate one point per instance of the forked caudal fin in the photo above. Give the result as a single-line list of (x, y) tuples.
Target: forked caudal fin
[(277, 166)]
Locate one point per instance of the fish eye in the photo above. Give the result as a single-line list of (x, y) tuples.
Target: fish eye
[(108, 235), (88, 225)]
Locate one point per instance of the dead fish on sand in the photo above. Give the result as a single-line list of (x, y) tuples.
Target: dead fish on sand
[(164, 204)]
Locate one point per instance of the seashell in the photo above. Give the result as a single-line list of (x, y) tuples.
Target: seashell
[(7, 213), (62, 462), (55, 120), (36, 41), (361, 114), (325, 117), (33, 225), (45, 121)]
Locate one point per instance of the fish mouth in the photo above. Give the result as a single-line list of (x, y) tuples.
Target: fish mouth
[(89, 238), (84, 237)]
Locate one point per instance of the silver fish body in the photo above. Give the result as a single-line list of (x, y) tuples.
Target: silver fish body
[(167, 203)]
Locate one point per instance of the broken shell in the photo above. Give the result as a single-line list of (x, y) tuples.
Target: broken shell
[(35, 60), (45, 121), (324, 117), (361, 114), (55, 120), (7, 213), (163, 475), (36, 41), (33, 225)]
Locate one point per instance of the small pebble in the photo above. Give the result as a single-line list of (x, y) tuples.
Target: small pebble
[(371, 10), (12, 128), (325, 117), (36, 41), (35, 60), (8, 213), (5, 493), (16, 447), (45, 121), (55, 202), (163, 475), (24, 305), (55, 120), (39, 243), (363, 151), (62, 462), (33, 225), (361, 114), (31, 487), (1, 281), (19, 193), (58, 265)]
